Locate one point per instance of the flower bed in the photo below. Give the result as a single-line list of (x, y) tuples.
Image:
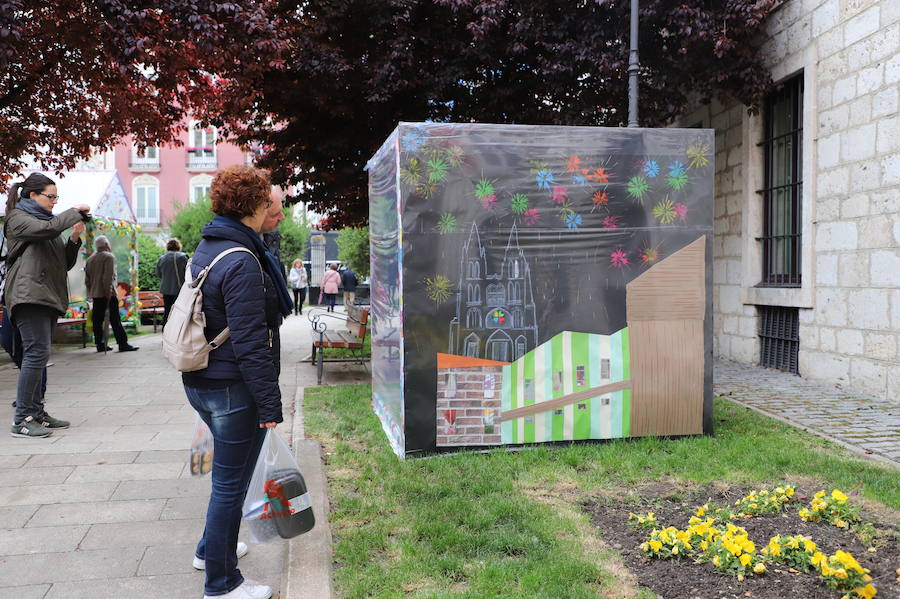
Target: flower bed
[(765, 543)]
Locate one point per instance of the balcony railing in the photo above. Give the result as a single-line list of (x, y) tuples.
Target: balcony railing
[(206, 163), (144, 165), (148, 220)]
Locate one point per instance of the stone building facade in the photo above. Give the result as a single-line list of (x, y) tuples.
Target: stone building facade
[(843, 57)]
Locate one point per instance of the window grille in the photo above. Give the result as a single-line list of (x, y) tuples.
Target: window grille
[(783, 189), (779, 338)]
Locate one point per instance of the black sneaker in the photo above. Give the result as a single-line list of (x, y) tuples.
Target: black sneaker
[(28, 428), (123, 348), (50, 422), (100, 348)]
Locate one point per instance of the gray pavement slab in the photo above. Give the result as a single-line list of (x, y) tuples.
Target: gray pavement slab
[(150, 532), (70, 566), (16, 516), (17, 541), (173, 586), (865, 425), (26, 476), (103, 512), (82, 459), (36, 591)]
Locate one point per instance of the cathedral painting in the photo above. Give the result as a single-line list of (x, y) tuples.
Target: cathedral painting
[(540, 284), (495, 314)]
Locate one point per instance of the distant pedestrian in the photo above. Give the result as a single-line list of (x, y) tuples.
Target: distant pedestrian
[(237, 394), (100, 280), (36, 290), (348, 279), (330, 282), (170, 271), (299, 282)]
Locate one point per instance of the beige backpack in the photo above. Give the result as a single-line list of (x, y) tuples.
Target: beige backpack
[(184, 343)]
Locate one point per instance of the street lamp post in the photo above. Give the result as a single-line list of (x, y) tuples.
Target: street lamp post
[(633, 68)]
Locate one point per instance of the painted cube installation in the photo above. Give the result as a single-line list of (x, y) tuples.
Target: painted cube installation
[(540, 283)]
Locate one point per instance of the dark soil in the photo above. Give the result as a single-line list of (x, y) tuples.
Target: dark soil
[(683, 579)]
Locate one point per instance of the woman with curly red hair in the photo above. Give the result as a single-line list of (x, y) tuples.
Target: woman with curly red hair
[(237, 394)]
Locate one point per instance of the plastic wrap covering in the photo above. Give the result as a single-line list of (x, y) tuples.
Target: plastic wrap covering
[(386, 299), (551, 284)]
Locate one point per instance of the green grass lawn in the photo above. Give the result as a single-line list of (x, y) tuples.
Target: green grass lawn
[(509, 524)]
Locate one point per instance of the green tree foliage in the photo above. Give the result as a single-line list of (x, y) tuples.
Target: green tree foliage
[(294, 236), (188, 222), (148, 254), (353, 250)]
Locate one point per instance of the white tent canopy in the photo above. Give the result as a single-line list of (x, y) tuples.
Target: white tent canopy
[(101, 190)]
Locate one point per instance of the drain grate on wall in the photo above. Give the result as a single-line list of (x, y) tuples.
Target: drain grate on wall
[(779, 338)]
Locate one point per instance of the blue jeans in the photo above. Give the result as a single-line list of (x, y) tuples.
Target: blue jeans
[(35, 325), (232, 417)]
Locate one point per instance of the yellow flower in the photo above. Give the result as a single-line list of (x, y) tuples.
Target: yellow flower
[(702, 509), (655, 545), (675, 550), (759, 568), (819, 495), (745, 559), (704, 545), (716, 561), (740, 577), (645, 547), (818, 559), (840, 523), (866, 592), (809, 546), (838, 496), (840, 573)]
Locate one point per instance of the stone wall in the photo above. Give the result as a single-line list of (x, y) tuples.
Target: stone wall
[(849, 54)]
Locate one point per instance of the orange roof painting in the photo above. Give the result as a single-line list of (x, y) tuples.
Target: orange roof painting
[(445, 361)]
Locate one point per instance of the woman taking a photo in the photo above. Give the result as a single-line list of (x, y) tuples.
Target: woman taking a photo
[(237, 394), (36, 291), (298, 280)]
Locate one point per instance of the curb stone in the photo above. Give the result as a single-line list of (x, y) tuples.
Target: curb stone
[(309, 557)]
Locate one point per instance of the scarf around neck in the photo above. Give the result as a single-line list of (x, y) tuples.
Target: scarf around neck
[(31, 207), (272, 266)]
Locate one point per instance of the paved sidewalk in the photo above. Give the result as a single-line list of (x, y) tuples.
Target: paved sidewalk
[(865, 425), (108, 508)]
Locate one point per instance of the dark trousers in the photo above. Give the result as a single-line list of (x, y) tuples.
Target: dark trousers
[(330, 300), (299, 298), (168, 302), (12, 343), (35, 325), (102, 305), (232, 418)]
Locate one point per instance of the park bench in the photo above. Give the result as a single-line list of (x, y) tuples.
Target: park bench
[(151, 304), (353, 337), (61, 321)]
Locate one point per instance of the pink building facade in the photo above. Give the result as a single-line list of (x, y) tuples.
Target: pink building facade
[(161, 177)]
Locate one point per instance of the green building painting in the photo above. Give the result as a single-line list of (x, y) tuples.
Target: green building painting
[(574, 386)]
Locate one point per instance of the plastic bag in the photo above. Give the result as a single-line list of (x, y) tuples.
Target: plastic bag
[(277, 503), (201, 448)]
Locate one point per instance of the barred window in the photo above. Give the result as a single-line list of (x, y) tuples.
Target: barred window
[(783, 189)]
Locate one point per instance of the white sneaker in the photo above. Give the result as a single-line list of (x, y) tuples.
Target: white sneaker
[(242, 550), (250, 589)]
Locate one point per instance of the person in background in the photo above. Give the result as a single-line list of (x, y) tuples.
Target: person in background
[(36, 291), (170, 271), (100, 280), (274, 216), (299, 282), (349, 281), (237, 394), (330, 282)]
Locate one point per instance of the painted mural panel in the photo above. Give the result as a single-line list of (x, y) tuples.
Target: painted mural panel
[(516, 246)]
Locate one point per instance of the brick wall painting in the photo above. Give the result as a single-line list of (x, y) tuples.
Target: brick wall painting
[(468, 401)]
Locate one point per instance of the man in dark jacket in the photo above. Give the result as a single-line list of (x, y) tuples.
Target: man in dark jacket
[(100, 280), (349, 282), (170, 270)]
